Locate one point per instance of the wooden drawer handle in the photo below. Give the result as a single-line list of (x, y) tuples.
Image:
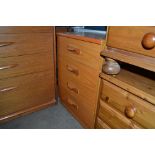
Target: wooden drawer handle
[(72, 88), (8, 66), (73, 70), (148, 41), (72, 103), (130, 111), (73, 49), (7, 89), (5, 43)]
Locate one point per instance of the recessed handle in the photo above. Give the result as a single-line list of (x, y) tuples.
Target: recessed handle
[(73, 49), (5, 43), (7, 89), (72, 69), (130, 111), (72, 103), (8, 66), (106, 99), (72, 88), (148, 41)]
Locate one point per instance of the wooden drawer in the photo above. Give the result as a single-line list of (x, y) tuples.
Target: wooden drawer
[(85, 53), (130, 38), (101, 125), (21, 44), (25, 29), (79, 72), (24, 92), (83, 95), (129, 105), (15, 66), (113, 118)]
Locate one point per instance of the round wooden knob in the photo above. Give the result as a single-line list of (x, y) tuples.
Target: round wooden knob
[(130, 111), (148, 41)]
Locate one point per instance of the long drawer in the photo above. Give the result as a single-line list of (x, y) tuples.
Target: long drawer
[(82, 52), (25, 29), (129, 105), (115, 119), (138, 39), (24, 92), (21, 44), (15, 66)]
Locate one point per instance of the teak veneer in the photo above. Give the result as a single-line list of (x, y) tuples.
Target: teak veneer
[(27, 70)]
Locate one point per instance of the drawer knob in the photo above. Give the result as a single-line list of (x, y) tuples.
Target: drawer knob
[(5, 43), (72, 103), (148, 41), (7, 89), (72, 70), (72, 88), (130, 111), (8, 66), (73, 50)]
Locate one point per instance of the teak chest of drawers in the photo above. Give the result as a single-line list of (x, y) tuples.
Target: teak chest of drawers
[(27, 70), (79, 65), (127, 100)]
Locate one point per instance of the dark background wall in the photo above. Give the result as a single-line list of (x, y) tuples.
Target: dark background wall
[(100, 28)]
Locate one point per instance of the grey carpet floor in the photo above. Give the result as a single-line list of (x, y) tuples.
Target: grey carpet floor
[(55, 117)]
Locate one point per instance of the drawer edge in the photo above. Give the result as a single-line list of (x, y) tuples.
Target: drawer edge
[(26, 111)]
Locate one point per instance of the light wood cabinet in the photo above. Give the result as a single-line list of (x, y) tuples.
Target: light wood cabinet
[(27, 70), (127, 100), (79, 65)]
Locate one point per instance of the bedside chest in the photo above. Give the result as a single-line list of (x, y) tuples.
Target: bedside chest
[(79, 65)]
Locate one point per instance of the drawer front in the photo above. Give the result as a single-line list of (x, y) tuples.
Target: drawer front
[(113, 118), (25, 29), (79, 72), (80, 51), (131, 38), (81, 107), (15, 66), (101, 125), (20, 93), (129, 105), (21, 44)]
